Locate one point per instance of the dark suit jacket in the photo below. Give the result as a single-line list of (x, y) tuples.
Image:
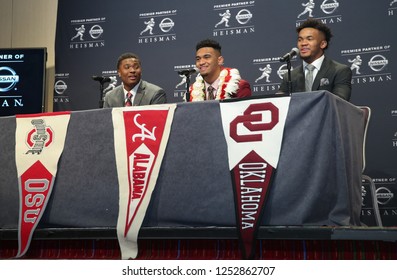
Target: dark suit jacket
[(147, 94), (332, 76)]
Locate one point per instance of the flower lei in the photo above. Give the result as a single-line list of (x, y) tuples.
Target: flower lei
[(229, 79)]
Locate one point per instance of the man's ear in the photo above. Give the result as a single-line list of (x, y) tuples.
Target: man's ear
[(323, 44), (220, 60)]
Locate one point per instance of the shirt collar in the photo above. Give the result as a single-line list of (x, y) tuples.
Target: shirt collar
[(317, 63), (133, 90), (214, 84)]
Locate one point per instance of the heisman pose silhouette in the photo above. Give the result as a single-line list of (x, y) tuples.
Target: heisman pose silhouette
[(183, 81), (356, 63), (149, 26), (265, 73), (80, 32), (309, 6), (225, 19)]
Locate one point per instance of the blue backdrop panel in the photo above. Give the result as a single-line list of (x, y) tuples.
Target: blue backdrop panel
[(90, 37)]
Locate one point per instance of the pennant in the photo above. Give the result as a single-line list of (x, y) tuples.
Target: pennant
[(254, 131), (39, 142), (140, 138)]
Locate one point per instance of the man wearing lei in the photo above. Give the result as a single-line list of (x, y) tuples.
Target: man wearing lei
[(215, 81)]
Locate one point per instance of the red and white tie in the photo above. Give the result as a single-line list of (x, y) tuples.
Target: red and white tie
[(128, 102)]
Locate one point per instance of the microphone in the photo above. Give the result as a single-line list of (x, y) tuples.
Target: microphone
[(101, 79), (188, 71), (289, 55)]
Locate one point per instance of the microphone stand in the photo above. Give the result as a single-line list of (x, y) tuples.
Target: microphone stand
[(101, 101), (187, 87), (289, 82)]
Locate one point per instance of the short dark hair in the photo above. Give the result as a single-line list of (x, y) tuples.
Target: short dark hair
[(125, 56), (316, 24), (209, 43)]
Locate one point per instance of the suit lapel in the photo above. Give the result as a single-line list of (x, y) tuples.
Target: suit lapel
[(321, 74), (120, 96), (300, 75), (140, 93)]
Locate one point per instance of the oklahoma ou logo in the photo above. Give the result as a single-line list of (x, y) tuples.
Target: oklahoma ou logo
[(253, 121)]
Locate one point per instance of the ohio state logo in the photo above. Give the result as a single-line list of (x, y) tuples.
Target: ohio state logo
[(252, 119), (39, 137)]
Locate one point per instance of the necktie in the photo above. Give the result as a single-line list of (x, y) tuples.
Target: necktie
[(128, 102), (210, 91), (309, 77)]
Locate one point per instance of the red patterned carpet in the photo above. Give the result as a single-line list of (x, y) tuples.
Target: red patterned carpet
[(205, 249)]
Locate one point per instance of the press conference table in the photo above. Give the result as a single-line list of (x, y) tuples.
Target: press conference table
[(317, 182)]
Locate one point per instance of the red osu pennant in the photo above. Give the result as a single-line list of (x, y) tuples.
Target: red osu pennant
[(36, 186), (39, 142)]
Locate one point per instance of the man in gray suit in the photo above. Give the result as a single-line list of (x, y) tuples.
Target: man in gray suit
[(133, 91), (318, 72)]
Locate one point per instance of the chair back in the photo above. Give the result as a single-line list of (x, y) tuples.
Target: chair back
[(367, 116)]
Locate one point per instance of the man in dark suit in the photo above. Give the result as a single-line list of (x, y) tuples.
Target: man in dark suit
[(325, 73), (133, 91), (216, 81)]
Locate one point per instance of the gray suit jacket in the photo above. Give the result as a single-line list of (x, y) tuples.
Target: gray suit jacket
[(147, 94), (332, 76)]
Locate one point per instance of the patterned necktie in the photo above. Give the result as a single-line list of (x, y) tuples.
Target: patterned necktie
[(309, 77), (210, 91), (128, 102)]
